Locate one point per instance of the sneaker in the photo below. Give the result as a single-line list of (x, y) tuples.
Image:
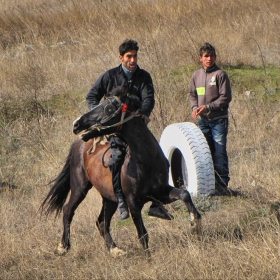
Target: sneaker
[(160, 212), (223, 191), (214, 193), (234, 192), (123, 211)]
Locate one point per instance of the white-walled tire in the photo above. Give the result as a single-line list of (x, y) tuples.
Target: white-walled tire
[(188, 153)]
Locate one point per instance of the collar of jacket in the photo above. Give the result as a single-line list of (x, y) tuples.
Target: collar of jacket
[(120, 70), (212, 69)]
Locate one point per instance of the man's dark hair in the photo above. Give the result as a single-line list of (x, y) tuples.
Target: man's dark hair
[(128, 45), (207, 48)]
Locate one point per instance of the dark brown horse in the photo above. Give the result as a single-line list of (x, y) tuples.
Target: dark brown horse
[(144, 173)]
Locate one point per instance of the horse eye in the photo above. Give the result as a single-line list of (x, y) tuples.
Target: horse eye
[(109, 109)]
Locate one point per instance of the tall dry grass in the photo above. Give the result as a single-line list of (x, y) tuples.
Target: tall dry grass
[(51, 52)]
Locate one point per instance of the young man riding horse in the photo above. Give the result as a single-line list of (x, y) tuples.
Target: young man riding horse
[(138, 82)]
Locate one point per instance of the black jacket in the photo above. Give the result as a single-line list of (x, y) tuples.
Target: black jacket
[(140, 84)]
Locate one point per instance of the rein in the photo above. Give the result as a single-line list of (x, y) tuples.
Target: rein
[(103, 157)]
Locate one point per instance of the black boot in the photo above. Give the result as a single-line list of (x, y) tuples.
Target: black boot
[(118, 148), (122, 209), (157, 210)]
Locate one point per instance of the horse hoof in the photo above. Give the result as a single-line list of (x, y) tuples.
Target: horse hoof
[(116, 252), (196, 227), (148, 255), (60, 250)]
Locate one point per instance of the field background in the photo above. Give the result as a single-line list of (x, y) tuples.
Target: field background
[(52, 51)]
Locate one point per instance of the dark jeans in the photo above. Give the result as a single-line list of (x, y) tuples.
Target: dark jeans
[(215, 133)]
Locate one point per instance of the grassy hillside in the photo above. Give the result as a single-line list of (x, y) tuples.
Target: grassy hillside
[(52, 51)]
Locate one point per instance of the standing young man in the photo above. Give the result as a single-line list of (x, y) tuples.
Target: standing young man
[(210, 95), (138, 82)]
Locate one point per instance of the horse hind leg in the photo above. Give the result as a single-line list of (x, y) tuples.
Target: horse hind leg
[(196, 225), (77, 196), (170, 194), (103, 224), (195, 217)]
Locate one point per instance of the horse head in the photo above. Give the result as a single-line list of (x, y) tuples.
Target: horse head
[(108, 116)]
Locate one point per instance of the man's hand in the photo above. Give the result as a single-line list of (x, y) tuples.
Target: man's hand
[(145, 119), (201, 110)]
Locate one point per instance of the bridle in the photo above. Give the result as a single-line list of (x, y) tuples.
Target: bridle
[(115, 109)]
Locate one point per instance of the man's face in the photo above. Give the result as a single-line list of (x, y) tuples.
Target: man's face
[(129, 60), (207, 60)]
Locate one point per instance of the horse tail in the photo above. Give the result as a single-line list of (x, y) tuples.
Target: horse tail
[(58, 193)]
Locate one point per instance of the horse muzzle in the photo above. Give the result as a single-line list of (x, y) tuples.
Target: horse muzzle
[(76, 127)]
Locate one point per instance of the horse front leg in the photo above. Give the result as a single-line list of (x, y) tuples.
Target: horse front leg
[(103, 224), (76, 197), (141, 230), (184, 195)]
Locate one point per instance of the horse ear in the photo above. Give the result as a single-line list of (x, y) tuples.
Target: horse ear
[(120, 91), (117, 91)]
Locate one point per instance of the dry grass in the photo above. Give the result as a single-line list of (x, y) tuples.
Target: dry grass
[(52, 51)]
